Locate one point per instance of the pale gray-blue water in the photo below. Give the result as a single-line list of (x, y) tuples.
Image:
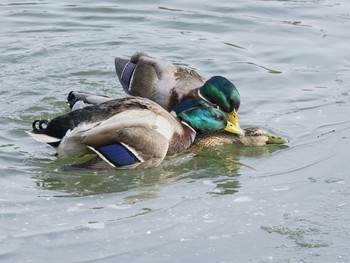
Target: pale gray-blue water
[(290, 62)]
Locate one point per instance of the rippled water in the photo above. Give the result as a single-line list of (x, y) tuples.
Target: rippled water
[(290, 62)]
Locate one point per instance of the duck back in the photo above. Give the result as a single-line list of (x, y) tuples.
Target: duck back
[(157, 79)]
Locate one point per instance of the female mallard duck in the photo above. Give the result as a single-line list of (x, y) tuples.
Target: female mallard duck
[(251, 137), (127, 133), (161, 81)]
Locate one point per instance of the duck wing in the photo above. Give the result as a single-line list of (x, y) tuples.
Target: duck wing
[(138, 75), (124, 70), (129, 148)]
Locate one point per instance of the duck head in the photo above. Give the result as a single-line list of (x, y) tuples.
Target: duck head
[(259, 136), (221, 92), (204, 118)]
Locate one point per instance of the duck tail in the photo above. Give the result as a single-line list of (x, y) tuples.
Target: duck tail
[(39, 126), (39, 132)]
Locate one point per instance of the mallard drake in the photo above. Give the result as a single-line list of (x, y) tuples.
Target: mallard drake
[(251, 137), (127, 133), (168, 85)]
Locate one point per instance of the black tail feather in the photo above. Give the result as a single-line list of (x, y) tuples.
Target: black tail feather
[(40, 126)]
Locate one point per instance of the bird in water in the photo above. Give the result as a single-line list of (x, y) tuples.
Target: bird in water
[(252, 137), (168, 85), (128, 133)]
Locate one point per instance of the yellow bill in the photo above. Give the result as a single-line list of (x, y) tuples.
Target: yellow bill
[(233, 118), (230, 127)]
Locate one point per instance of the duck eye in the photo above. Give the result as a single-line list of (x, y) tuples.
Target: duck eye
[(273, 137)]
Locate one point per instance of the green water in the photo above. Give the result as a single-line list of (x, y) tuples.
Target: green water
[(290, 62)]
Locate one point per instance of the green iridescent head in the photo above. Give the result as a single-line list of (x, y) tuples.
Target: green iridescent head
[(221, 92), (206, 119)]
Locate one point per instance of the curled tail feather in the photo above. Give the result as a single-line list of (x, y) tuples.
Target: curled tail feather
[(39, 133), (39, 126)]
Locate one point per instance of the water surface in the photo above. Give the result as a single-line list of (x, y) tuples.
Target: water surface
[(290, 62)]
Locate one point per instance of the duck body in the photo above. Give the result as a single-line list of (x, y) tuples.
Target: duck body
[(168, 85), (125, 133)]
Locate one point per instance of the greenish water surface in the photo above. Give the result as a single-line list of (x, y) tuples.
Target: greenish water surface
[(290, 62)]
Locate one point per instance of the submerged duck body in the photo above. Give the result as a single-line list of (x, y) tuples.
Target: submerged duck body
[(168, 85), (252, 137), (125, 133)]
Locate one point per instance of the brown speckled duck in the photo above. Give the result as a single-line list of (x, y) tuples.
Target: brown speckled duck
[(252, 137)]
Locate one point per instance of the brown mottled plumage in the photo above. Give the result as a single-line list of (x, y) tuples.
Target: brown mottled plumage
[(252, 137), (159, 80)]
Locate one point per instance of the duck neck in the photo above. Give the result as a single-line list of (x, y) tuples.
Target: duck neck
[(181, 141), (199, 94)]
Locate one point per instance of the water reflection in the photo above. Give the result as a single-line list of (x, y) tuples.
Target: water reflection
[(218, 166), (85, 183), (225, 163), (272, 71)]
